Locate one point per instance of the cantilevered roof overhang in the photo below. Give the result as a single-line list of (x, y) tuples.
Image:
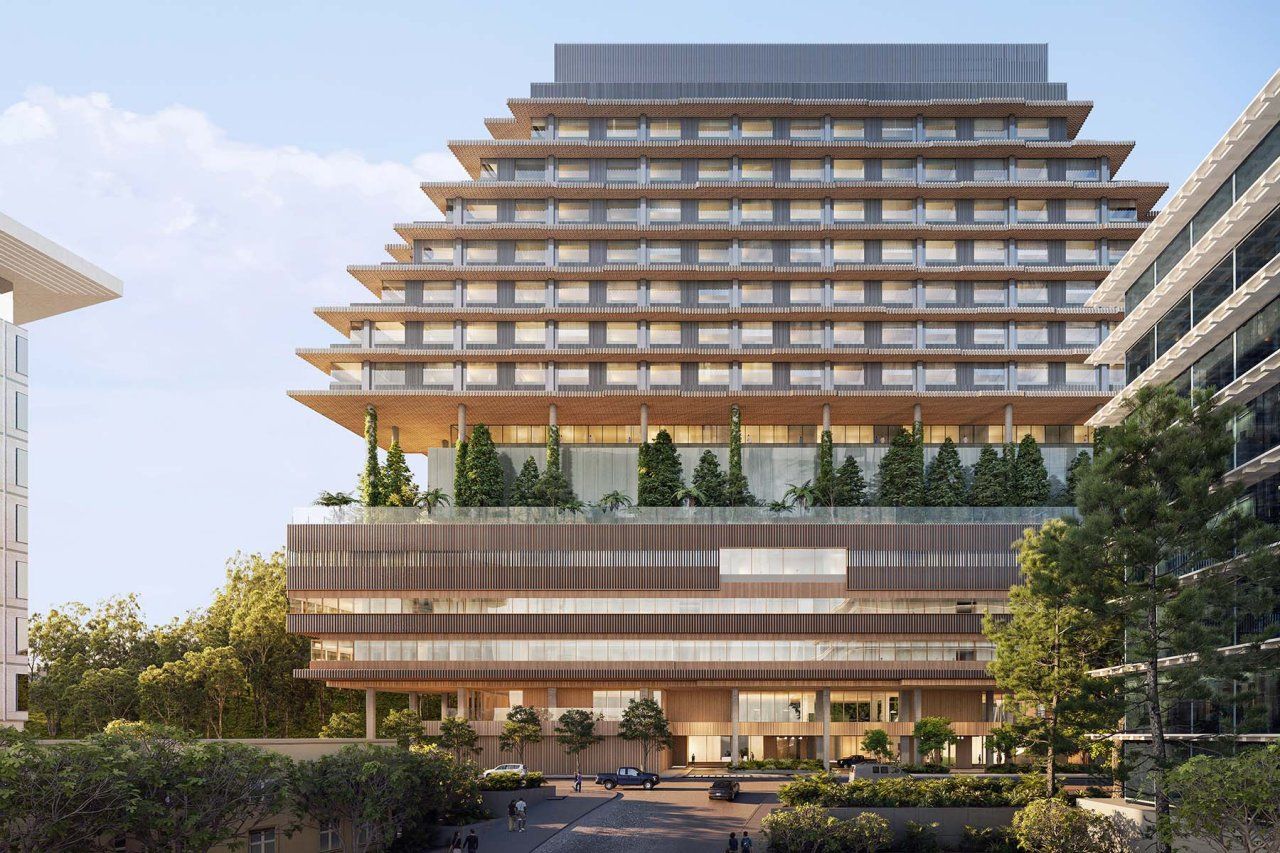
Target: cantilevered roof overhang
[(39, 278)]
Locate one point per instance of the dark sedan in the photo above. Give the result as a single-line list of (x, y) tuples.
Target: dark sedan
[(723, 789), (850, 760)]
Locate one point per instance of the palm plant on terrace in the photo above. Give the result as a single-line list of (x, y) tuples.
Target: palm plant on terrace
[(432, 498), (690, 496), (334, 499), (614, 501), (806, 494)]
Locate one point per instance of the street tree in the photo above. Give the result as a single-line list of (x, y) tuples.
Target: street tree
[(576, 732), (644, 722), (459, 737), (933, 735), (522, 728), (875, 742)]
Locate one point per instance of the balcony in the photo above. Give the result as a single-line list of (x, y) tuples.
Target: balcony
[(679, 515)]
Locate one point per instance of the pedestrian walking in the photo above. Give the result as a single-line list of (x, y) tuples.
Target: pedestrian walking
[(733, 843), (511, 816), (747, 843), (577, 781), (473, 842), (455, 845), (521, 814)]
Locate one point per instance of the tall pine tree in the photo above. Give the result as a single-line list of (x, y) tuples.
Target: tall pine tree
[(902, 470), (824, 484), (461, 483), (398, 487), (851, 487), (553, 488), (484, 469), (661, 475), (737, 489), (990, 481), (371, 476), (1074, 471), (944, 483), (709, 480), (1030, 477), (524, 489)]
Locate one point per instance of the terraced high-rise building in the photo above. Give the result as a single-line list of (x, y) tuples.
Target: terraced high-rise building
[(843, 237)]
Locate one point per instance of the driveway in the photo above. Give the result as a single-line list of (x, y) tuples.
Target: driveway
[(675, 817)]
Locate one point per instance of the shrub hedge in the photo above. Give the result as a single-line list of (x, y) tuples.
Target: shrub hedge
[(828, 791), (778, 764), (507, 781)]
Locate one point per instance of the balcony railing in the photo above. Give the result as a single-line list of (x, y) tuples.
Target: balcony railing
[(1035, 515)]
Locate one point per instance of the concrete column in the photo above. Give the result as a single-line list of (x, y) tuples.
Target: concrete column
[(370, 714), (826, 416), (462, 421), (917, 704), (1008, 423), (444, 707), (462, 702), (916, 416), (733, 726), (551, 697), (414, 704), (395, 435), (644, 422), (824, 708), (551, 415)]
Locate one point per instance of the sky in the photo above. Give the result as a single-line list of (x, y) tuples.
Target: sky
[(228, 160)]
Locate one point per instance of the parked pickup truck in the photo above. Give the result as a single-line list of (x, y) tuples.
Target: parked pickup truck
[(627, 776)]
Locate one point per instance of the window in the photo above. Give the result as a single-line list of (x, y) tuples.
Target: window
[(665, 170), (990, 210), (1081, 374), (530, 211), (20, 632), (897, 373), (330, 837), (622, 293), (1032, 334), (806, 375), (530, 252), (1078, 292), (435, 252), (806, 210), (898, 334), (990, 170), (849, 128), (1033, 293), (1082, 210), (20, 579), (898, 170), (1116, 250), (756, 334), (714, 170), (1081, 252), (530, 334), (714, 210), (757, 128), (756, 170), (664, 375), (664, 293), (939, 293), (572, 292), (990, 293), (757, 373), (897, 210), (756, 252), (713, 334), (531, 170), (897, 293), (392, 292), (1083, 170), (482, 252), (388, 334), (1124, 211), (939, 170), (663, 251), (573, 333), (806, 170), (1032, 210), (664, 210), (1081, 334), (576, 252), (756, 292), (756, 210), (572, 375), (530, 293), (940, 374), (939, 210), (437, 293), (989, 375), (1033, 251), (714, 252), (437, 374), (806, 252), (849, 292), (849, 170), (437, 334), (806, 334), (622, 170), (1031, 170), (664, 334), (939, 334), (714, 128), (713, 373), (848, 251), (989, 334), (488, 170), (940, 251), (477, 293), (622, 374), (806, 128), (388, 375), (623, 252), (939, 128), (573, 170), (1032, 128), (624, 210), (848, 210), (621, 128), (1033, 373), (849, 334), (806, 292), (989, 128), (573, 128), (480, 211), (620, 334), (848, 374), (898, 129), (783, 561), (482, 334), (573, 211), (19, 410), (897, 251), (664, 128)]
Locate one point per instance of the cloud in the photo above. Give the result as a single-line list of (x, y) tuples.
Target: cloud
[(162, 438)]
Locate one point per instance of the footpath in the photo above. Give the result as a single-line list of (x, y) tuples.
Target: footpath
[(544, 821)]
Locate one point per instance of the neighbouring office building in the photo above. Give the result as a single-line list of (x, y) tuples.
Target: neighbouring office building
[(38, 279), (1201, 293), (852, 237)]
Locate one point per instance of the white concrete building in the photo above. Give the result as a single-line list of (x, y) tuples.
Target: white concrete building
[(38, 279)]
